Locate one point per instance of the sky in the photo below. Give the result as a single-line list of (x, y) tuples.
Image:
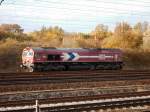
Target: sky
[(73, 15)]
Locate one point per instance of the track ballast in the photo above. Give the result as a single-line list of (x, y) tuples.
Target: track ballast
[(71, 76)]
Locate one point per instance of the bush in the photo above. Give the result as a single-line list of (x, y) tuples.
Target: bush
[(136, 59)]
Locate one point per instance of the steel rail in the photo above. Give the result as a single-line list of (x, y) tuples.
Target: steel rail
[(4, 75), (73, 77), (82, 102), (47, 80), (73, 72)]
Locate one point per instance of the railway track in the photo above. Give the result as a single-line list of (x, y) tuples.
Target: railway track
[(78, 103), (44, 94), (71, 76), (82, 103), (51, 73)]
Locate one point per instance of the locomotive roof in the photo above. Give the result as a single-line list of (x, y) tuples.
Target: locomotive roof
[(52, 48)]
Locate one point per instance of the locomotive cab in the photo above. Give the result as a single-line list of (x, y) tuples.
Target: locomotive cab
[(27, 59)]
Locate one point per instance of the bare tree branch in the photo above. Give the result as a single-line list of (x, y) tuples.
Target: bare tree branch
[(1, 2)]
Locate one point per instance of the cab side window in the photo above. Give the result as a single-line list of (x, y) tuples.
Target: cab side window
[(30, 54), (52, 57), (27, 54), (24, 54)]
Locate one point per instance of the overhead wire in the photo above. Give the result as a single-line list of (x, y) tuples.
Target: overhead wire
[(80, 20), (48, 20), (45, 19), (82, 14), (73, 10), (105, 9), (99, 1), (90, 17), (123, 2)]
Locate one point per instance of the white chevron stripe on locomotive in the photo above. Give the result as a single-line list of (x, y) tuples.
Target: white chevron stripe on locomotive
[(65, 56), (75, 56), (70, 56)]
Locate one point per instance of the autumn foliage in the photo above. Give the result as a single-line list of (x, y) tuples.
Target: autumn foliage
[(133, 40)]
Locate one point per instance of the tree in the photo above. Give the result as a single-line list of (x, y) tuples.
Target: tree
[(142, 27), (138, 31), (83, 35), (146, 39), (51, 36), (125, 37), (13, 31), (100, 32), (11, 28)]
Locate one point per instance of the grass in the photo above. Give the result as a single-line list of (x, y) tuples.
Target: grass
[(135, 59), (10, 56)]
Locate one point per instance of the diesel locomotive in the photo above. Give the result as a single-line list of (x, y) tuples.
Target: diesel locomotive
[(45, 59)]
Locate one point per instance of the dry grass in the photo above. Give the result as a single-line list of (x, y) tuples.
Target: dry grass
[(136, 59), (10, 56)]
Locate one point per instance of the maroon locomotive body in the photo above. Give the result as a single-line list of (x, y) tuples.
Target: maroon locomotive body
[(42, 59)]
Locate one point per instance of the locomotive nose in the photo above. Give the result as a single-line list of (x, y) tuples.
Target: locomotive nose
[(27, 59)]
